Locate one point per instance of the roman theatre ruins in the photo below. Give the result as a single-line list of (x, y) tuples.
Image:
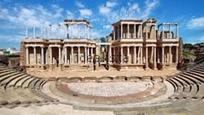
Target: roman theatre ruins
[(133, 72)]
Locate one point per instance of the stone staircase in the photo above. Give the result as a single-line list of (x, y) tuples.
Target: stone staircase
[(189, 84), (18, 88)]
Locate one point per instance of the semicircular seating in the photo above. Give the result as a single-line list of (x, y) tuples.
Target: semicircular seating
[(20, 88), (189, 84)]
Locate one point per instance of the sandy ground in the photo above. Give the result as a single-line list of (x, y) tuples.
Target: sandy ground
[(59, 109)]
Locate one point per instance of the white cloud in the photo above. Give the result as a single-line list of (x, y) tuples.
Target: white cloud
[(111, 4), (80, 5), (38, 15), (196, 23), (131, 11), (135, 7), (85, 12), (150, 5), (202, 38), (104, 10), (107, 26), (69, 14)]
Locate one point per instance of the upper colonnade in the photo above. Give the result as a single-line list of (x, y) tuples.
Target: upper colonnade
[(70, 28), (144, 29)]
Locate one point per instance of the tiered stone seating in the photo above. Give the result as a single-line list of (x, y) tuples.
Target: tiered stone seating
[(20, 88), (189, 84)]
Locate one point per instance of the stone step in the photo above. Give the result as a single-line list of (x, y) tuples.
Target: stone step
[(9, 75), (19, 82), (13, 79), (32, 83), (5, 70), (6, 79), (6, 73), (194, 76), (25, 82), (192, 86)]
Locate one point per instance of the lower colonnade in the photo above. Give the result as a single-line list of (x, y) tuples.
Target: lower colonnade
[(149, 56)]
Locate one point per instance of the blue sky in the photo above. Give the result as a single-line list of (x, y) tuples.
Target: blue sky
[(16, 15)]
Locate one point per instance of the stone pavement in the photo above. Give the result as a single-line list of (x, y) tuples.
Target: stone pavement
[(109, 89)]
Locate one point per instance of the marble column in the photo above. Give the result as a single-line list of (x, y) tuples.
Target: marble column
[(163, 48), (85, 54), (42, 55), (65, 48), (27, 56), (121, 54), (92, 55), (128, 31), (141, 55), (35, 55), (169, 31), (121, 27), (118, 34), (141, 31), (110, 54), (114, 55), (162, 31), (88, 54), (155, 57), (135, 31), (170, 55), (72, 55), (146, 58), (128, 54), (78, 54), (135, 55), (50, 49), (60, 55), (176, 54)]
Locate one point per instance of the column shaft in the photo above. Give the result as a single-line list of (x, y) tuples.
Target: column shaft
[(135, 32), (42, 55), (121, 27), (118, 32), (88, 54), (141, 55), (60, 55), (50, 55), (128, 54), (170, 55), (169, 31), (163, 55), (146, 59), (128, 31), (155, 57), (72, 55), (85, 55), (141, 31), (135, 55), (65, 48), (110, 54), (27, 56), (35, 55), (91, 54), (78, 54), (176, 54), (121, 54)]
